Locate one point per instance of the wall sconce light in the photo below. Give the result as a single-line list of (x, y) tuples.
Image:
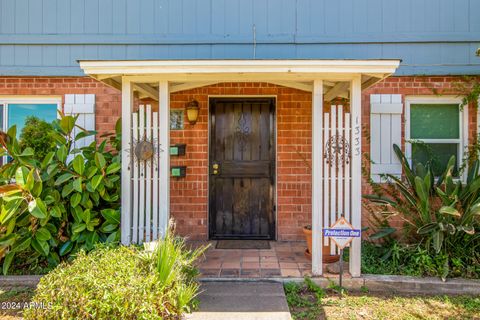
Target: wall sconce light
[(192, 108)]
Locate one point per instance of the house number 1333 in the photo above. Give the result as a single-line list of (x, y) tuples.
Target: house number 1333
[(356, 139)]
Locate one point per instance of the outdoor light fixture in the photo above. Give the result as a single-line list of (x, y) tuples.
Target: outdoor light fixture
[(192, 111)]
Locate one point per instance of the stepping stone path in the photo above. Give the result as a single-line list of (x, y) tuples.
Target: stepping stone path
[(241, 301)]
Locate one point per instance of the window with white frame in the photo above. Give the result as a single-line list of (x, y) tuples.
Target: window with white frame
[(16, 110), (436, 128)]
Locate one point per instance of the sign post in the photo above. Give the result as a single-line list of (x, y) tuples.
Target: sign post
[(342, 233)]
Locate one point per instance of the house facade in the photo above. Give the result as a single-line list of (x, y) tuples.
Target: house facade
[(294, 99)]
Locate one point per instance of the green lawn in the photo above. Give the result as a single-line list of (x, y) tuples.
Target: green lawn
[(308, 301), (12, 302)]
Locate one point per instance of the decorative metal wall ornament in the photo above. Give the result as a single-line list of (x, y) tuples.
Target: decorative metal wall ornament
[(145, 149), (242, 132), (337, 151)]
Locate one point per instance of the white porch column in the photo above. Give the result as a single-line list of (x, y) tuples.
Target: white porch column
[(127, 103), (356, 213), (317, 161), (164, 157)]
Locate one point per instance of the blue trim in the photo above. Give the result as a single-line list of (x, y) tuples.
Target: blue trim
[(404, 70), (212, 39)]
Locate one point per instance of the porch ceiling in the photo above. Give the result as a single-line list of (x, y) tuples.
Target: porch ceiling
[(188, 74)]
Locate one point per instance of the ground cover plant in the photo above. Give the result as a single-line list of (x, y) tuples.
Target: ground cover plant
[(440, 234), (121, 283), (307, 301), (52, 207)]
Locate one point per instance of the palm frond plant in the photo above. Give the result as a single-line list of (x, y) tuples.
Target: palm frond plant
[(440, 214), (174, 265)]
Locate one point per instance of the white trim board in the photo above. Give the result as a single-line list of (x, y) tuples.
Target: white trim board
[(478, 119), (237, 70), (30, 99)]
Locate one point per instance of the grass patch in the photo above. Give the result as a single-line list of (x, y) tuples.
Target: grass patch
[(13, 301), (310, 302)]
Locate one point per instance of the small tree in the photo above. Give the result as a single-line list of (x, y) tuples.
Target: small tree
[(37, 134)]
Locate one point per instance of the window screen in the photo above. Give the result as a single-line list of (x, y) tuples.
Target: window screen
[(435, 131), (434, 121)]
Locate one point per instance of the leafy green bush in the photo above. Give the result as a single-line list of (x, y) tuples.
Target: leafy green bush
[(442, 218), (120, 283), (37, 135), (67, 201)]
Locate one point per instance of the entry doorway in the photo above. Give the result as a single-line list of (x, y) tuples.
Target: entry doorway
[(242, 168)]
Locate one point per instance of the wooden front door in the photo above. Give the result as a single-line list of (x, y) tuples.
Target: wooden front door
[(242, 168)]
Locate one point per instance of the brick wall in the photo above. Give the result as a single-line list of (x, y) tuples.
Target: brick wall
[(411, 86), (189, 196), (108, 100)]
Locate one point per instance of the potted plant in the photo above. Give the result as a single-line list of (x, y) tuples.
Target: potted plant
[(326, 256)]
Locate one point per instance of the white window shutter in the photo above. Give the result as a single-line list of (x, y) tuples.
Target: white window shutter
[(82, 105), (478, 119), (385, 131)]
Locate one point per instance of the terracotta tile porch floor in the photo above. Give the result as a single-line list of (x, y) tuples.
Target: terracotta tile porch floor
[(283, 259)]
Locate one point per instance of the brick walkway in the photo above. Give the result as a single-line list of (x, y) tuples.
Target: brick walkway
[(283, 259)]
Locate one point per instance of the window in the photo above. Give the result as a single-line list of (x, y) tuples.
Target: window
[(176, 119), (436, 129), (1, 128), (15, 110)]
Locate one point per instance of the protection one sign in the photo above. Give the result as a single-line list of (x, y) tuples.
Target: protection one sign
[(341, 232)]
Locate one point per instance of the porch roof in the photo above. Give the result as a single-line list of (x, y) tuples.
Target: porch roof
[(185, 74), (326, 79)]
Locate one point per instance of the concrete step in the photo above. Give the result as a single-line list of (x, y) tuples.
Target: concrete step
[(242, 301)]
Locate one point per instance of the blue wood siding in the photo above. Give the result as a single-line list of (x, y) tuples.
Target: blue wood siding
[(47, 37)]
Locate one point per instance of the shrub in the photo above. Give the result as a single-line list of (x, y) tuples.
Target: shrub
[(442, 218), (37, 135), (120, 283), (174, 266), (65, 202)]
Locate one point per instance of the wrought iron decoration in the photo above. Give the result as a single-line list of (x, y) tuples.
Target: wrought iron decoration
[(242, 132), (337, 151)]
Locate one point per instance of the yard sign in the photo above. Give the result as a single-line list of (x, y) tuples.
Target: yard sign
[(341, 232)]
